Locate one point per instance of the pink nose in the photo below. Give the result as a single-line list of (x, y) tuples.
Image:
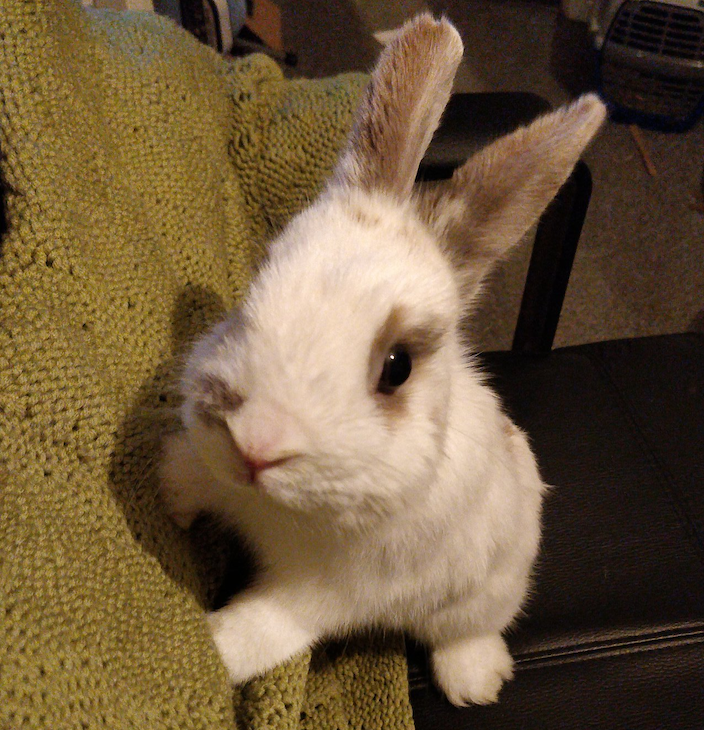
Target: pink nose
[(265, 435)]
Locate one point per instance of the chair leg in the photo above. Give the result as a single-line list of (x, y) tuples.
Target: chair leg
[(550, 265)]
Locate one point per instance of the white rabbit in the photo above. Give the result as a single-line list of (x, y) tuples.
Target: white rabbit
[(336, 420)]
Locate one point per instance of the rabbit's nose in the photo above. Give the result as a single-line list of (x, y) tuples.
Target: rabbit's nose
[(266, 436)]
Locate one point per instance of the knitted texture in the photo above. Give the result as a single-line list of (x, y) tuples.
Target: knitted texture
[(142, 175)]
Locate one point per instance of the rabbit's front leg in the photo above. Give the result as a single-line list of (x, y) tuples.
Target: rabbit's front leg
[(472, 669), (255, 633), (186, 486)]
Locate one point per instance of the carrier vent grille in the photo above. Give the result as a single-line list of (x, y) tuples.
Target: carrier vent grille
[(665, 30)]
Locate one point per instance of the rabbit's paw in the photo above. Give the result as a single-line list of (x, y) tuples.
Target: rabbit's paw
[(181, 481), (178, 506), (253, 635), (472, 669)]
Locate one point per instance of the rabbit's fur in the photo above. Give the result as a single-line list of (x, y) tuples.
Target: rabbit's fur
[(415, 507)]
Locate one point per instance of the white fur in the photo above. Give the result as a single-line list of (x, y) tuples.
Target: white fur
[(424, 517)]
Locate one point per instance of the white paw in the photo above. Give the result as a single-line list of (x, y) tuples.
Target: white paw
[(177, 508), (177, 504), (180, 483), (473, 669), (253, 635), (232, 649)]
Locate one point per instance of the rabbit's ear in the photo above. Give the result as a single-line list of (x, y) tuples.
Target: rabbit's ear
[(401, 108), (494, 198)]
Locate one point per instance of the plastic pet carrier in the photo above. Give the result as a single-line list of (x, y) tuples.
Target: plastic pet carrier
[(651, 60)]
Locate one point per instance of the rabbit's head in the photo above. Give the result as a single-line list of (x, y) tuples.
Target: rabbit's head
[(331, 387)]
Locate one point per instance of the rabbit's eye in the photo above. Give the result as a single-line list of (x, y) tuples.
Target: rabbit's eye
[(397, 368)]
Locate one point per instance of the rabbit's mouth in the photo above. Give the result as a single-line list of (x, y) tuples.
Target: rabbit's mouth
[(256, 468)]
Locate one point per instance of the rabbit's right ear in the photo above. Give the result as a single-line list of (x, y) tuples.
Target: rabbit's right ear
[(401, 108)]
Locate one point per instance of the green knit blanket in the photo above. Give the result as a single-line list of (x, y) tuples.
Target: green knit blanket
[(142, 175)]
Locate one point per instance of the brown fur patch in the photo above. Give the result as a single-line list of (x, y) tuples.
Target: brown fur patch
[(421, 340), (509, 428), (215, 400), (362, 215), (393, 406)]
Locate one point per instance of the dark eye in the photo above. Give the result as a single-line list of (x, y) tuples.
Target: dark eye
[(397, 368)]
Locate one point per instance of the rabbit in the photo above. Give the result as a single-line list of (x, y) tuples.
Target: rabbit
[(336, 418)]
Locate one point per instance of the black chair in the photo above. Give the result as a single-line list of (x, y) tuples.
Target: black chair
[(613, 636)]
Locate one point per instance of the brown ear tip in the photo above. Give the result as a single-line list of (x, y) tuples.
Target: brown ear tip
[(453, 38), (590, 108), (424, 28)]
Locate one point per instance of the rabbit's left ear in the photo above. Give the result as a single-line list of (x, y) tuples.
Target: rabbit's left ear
[(401, 108), (493, 199)]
